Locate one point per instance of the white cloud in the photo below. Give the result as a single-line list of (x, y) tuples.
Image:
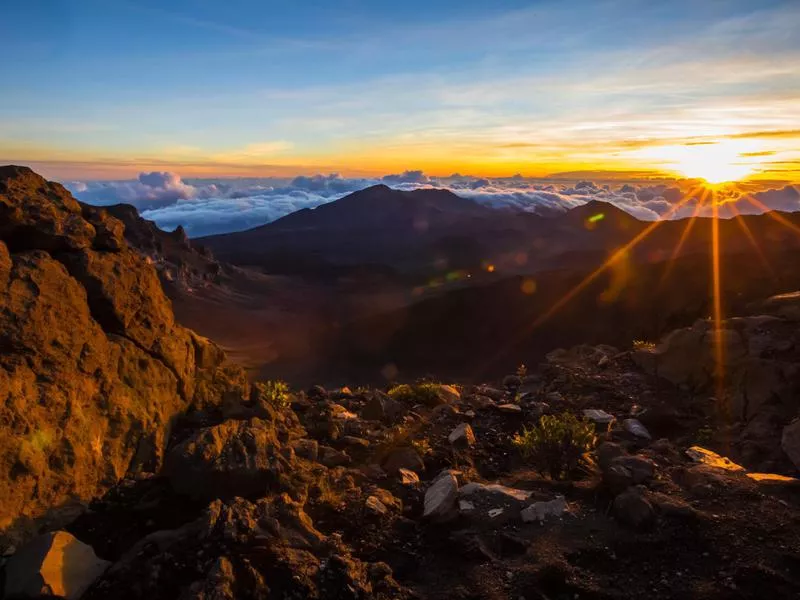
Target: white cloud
[(205, 207)]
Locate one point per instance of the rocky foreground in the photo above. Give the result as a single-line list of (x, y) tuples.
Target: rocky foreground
[(135, 463)]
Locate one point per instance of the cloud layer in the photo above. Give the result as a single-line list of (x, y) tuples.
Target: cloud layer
[(206, 207)]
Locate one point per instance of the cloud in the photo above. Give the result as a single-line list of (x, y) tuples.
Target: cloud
[(209, 206), (407, 177)]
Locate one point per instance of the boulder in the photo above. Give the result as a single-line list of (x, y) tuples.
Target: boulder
[(712, 459), (94, 367), (462, 436), (441, 498), (512, 409), (380, 407), (234, 458), (53, 564)]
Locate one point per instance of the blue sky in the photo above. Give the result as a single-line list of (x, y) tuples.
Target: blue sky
[(108, 88)]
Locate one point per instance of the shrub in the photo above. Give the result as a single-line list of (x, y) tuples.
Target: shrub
[(556, 444), (643, 345), (422, 447), (274, 392), (418, 393)]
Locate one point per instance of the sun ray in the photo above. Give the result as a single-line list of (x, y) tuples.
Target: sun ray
[(752, 239), (685, 235), (772, 214), (719, 353), (620, 253)]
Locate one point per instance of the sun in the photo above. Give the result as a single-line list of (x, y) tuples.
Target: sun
[(715, 162)]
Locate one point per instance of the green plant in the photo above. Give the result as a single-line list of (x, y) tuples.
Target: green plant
[(274, 392), (418, 393), (704, 435), (556, 444)]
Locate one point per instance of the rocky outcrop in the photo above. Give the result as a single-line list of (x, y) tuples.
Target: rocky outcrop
[(93, 366), (760, 366)]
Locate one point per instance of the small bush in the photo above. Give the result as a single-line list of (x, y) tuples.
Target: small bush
[(643, 345), (418, 393), (556, 444), (274, 392)]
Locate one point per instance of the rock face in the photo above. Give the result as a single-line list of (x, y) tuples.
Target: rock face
[(93, 367), (54, 564)]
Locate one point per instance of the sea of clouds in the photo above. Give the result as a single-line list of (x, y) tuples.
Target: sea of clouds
[(212, 206)]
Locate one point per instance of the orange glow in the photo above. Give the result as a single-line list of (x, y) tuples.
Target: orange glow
[(719, 372)]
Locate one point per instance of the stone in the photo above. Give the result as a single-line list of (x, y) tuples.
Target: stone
[(462, 436), (331, 457), (480, 402), (403, 458), (380, 407), (790, 442), (234, 458), (308, 449), (407, 477), (540, 511), (633, 509), (641, 469), (635, 428), (53, 564), (376, 506), (600, 417), (465, 507), (712, 459), (481, 490), (355, 442), (606, 452), (441, 498), (512, 409)]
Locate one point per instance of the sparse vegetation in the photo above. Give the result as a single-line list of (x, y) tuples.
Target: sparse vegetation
[(418, 393), (274, 392), (644, 345), (422, 446), (556, 444)]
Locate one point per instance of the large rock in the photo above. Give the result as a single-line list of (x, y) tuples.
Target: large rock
[(93, 367), (235, 458), (54, 564), (441, 498)]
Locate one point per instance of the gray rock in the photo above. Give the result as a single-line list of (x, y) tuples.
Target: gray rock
[(54, 564), (635, 428), (539, 511), (441, 498), (510, 408), (598, 416), (382, 408), (375, 506)]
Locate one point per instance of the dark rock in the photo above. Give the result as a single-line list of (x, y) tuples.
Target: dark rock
[(633, 509), (403, 458)]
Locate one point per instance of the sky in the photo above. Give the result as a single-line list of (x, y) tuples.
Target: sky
[(108, 89)]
